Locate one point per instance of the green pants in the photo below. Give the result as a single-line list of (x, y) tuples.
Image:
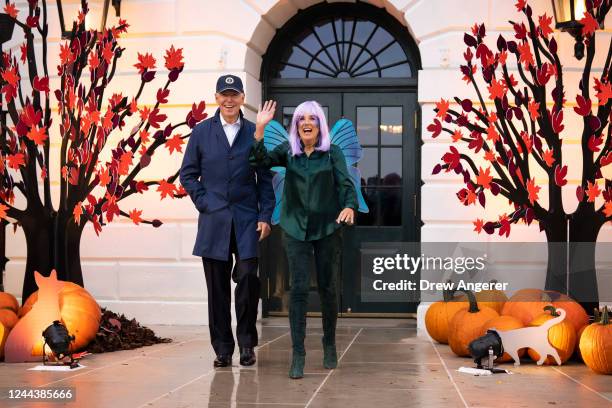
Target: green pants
[(326, 252)]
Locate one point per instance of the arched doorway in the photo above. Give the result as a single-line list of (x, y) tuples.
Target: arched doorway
[(360, 63)]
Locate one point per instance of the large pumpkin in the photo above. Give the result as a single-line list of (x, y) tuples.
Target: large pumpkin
[(9, 301), (467, 324), (596, 345), (4, 331), (493, 298), (8, 318), (562, 336), (526, 305), (79, 310), (504, 323), (576, 314), (439, 315)]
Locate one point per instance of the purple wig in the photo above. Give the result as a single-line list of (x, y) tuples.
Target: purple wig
[(313, 108)]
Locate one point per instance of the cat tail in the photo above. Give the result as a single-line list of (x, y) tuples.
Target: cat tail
[(550, 323)]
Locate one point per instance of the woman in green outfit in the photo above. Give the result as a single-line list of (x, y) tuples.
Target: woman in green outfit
[(318, 198)]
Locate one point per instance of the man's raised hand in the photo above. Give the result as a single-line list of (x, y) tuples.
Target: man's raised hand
[(264, 116)]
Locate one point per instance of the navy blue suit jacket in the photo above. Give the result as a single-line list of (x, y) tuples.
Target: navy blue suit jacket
[(225, 189)]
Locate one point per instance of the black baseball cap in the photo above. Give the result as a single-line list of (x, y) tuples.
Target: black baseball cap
[(227, 82)]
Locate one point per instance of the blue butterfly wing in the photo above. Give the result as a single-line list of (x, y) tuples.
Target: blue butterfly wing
[(344, 135), (278, 183), (356, 179), (274, 134)]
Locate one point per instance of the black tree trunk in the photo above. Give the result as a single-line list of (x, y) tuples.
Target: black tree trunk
[(584, 226), (53, 242), (556, 270)]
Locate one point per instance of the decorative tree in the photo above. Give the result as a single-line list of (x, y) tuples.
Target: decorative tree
[(517, 134), (90, 191)]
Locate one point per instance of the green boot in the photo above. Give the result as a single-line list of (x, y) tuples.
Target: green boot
[(297, 366), (330, 358)]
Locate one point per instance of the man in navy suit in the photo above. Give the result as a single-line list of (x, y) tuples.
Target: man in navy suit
[(235, 203)]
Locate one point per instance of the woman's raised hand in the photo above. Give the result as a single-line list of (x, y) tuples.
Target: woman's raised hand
[(264, 116)]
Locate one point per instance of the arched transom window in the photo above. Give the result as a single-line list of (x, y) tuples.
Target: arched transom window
[(344, 47)]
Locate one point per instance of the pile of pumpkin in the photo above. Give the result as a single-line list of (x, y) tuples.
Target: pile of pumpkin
[(79, 311), (459, 319)]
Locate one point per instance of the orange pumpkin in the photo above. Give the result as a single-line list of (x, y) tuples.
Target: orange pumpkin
[(562, 336), (576, 314), (8, 301), (526, 305), (79, 310), (8, 318), (493, 298), (439, 315), (596, 345), (467, 324), (504, 323), (4, 332)]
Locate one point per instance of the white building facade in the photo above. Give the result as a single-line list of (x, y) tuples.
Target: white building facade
[(149, 273)]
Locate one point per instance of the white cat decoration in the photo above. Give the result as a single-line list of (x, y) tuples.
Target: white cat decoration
[(535, 338), (496, 342)]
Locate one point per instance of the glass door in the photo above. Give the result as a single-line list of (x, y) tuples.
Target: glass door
[(385, 124)]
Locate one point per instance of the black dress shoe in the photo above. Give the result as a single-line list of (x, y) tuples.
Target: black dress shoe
[(247, 356), (223, 360)]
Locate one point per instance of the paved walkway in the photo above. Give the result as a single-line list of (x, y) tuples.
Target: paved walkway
[(383, 363)]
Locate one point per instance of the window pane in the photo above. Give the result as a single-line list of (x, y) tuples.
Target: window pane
[(379, 40), (393, 54), (363, 31), (367, 125), (368, 166), (391, 125), (391, 206), (308, 41), (385, 206), (291, 72), (368, 70), (324, 30), (372, 199), (320, 70), (398, 71), (287, 114), (299, 57), (391, 166), (358, 57)]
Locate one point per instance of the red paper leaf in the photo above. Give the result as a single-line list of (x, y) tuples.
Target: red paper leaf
[(595, 142), (589, 24), (162, 95), (145, 62), (584, 106), (435, 128), (557, 121), (174, 58), (155, 118), (41, 84), (166, 189), (175, 143), (560, 173), (11, 10)]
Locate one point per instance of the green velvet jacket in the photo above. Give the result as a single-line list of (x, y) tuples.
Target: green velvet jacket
[(317, 188)]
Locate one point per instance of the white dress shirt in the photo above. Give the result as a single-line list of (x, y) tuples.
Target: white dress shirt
[(230, 129)]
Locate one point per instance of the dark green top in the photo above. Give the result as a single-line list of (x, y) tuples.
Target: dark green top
[(317, 188)]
